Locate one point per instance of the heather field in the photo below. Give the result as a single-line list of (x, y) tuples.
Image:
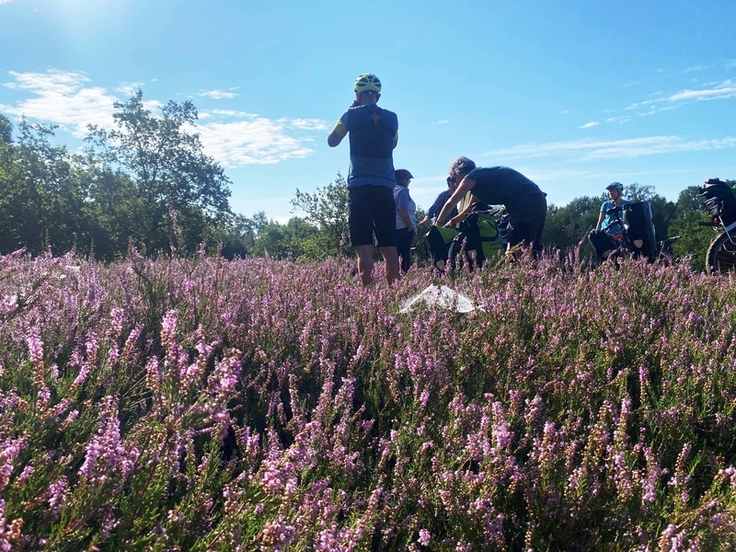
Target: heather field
[(200, 404)]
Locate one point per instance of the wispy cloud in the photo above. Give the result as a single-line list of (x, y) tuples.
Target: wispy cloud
[(591, 124), (218, 94), (600, 149), (234, 138), (716, 91), (443, 122), (128, 88), (257, 141), (62, 98), (4, 2), (305, 124)]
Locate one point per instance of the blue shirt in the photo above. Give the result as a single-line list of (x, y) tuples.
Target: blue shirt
[(404, 201), (608, 224), (372, 131), (437, 206)]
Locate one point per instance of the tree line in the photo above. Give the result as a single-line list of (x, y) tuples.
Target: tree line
[(148, 183)]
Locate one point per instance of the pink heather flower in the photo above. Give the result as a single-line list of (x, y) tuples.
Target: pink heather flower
[(35, 349), (24, 475), (82, 376), (424, 537), (4, 532), (57, 496), (91, 346), (9, 450)]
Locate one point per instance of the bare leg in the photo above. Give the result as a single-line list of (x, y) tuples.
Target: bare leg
[(365, 263), (391, 256)]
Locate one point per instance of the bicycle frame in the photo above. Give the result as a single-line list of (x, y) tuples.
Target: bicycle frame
[(728, 229)]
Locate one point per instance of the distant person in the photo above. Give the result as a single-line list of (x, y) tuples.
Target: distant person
[(442, 198), (525, 203), (371, 181), (608, 224), (406, 218)]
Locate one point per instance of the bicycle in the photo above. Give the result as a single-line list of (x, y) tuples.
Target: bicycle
[(495, 222), (483, 233), (634, 233), (665, 251), (720, 203)]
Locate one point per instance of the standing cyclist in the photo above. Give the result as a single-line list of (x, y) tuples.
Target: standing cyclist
[(373, 137), (406, 218), (608, 223)]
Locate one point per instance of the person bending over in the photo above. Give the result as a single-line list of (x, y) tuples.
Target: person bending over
[(525, 203)]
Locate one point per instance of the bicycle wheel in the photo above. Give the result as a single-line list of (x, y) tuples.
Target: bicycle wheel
[(721, 256)]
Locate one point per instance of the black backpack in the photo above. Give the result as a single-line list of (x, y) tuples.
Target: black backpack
[(719, 199)]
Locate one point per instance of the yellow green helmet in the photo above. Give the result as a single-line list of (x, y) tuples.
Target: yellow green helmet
[(367, 81)]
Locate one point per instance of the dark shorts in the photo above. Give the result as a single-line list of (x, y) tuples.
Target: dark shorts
[(372, 210), (527, 222)]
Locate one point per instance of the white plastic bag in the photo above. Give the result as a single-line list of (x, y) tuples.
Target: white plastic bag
[(440, 296)]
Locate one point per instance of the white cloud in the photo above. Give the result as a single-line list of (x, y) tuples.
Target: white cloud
[(232, 113), (717, 91), (128, 88), (62, 98), (4, 2), (627, 148), (234, 138), (258, 141), (443, 122), (218, 94), (591, 124), (307, 124)]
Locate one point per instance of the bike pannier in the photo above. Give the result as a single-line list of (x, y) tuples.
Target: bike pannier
[(640, 229), (719, 199)]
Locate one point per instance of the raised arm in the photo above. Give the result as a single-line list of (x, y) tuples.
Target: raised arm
[(337, 134)]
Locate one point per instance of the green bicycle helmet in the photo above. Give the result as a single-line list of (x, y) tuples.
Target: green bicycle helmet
[(367, 81)]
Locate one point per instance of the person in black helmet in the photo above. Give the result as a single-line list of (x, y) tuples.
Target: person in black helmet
[(371, 180), (406, 218), (607, 226)]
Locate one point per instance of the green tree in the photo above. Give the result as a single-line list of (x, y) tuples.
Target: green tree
[(6, 130), (163, 159), (327, 210), (294, 240), (43, 193), (569, 225)]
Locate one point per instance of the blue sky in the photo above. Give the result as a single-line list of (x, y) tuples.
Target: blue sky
[(573, 94)]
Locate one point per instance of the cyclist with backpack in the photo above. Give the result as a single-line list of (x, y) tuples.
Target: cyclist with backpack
[(608, 224)]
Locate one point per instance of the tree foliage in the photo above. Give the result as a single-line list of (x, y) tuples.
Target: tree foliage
[(326, 210), (163, 159), (133, 180)]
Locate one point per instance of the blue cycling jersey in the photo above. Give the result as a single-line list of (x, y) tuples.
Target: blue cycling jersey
[(372, 131)]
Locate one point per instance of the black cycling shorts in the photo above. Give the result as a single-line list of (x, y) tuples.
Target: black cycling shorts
[(372, 210)]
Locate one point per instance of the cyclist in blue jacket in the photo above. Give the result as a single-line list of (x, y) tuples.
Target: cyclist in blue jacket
[(608, 224)]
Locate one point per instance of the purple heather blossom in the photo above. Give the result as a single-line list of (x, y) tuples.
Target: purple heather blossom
[(57, 496)]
